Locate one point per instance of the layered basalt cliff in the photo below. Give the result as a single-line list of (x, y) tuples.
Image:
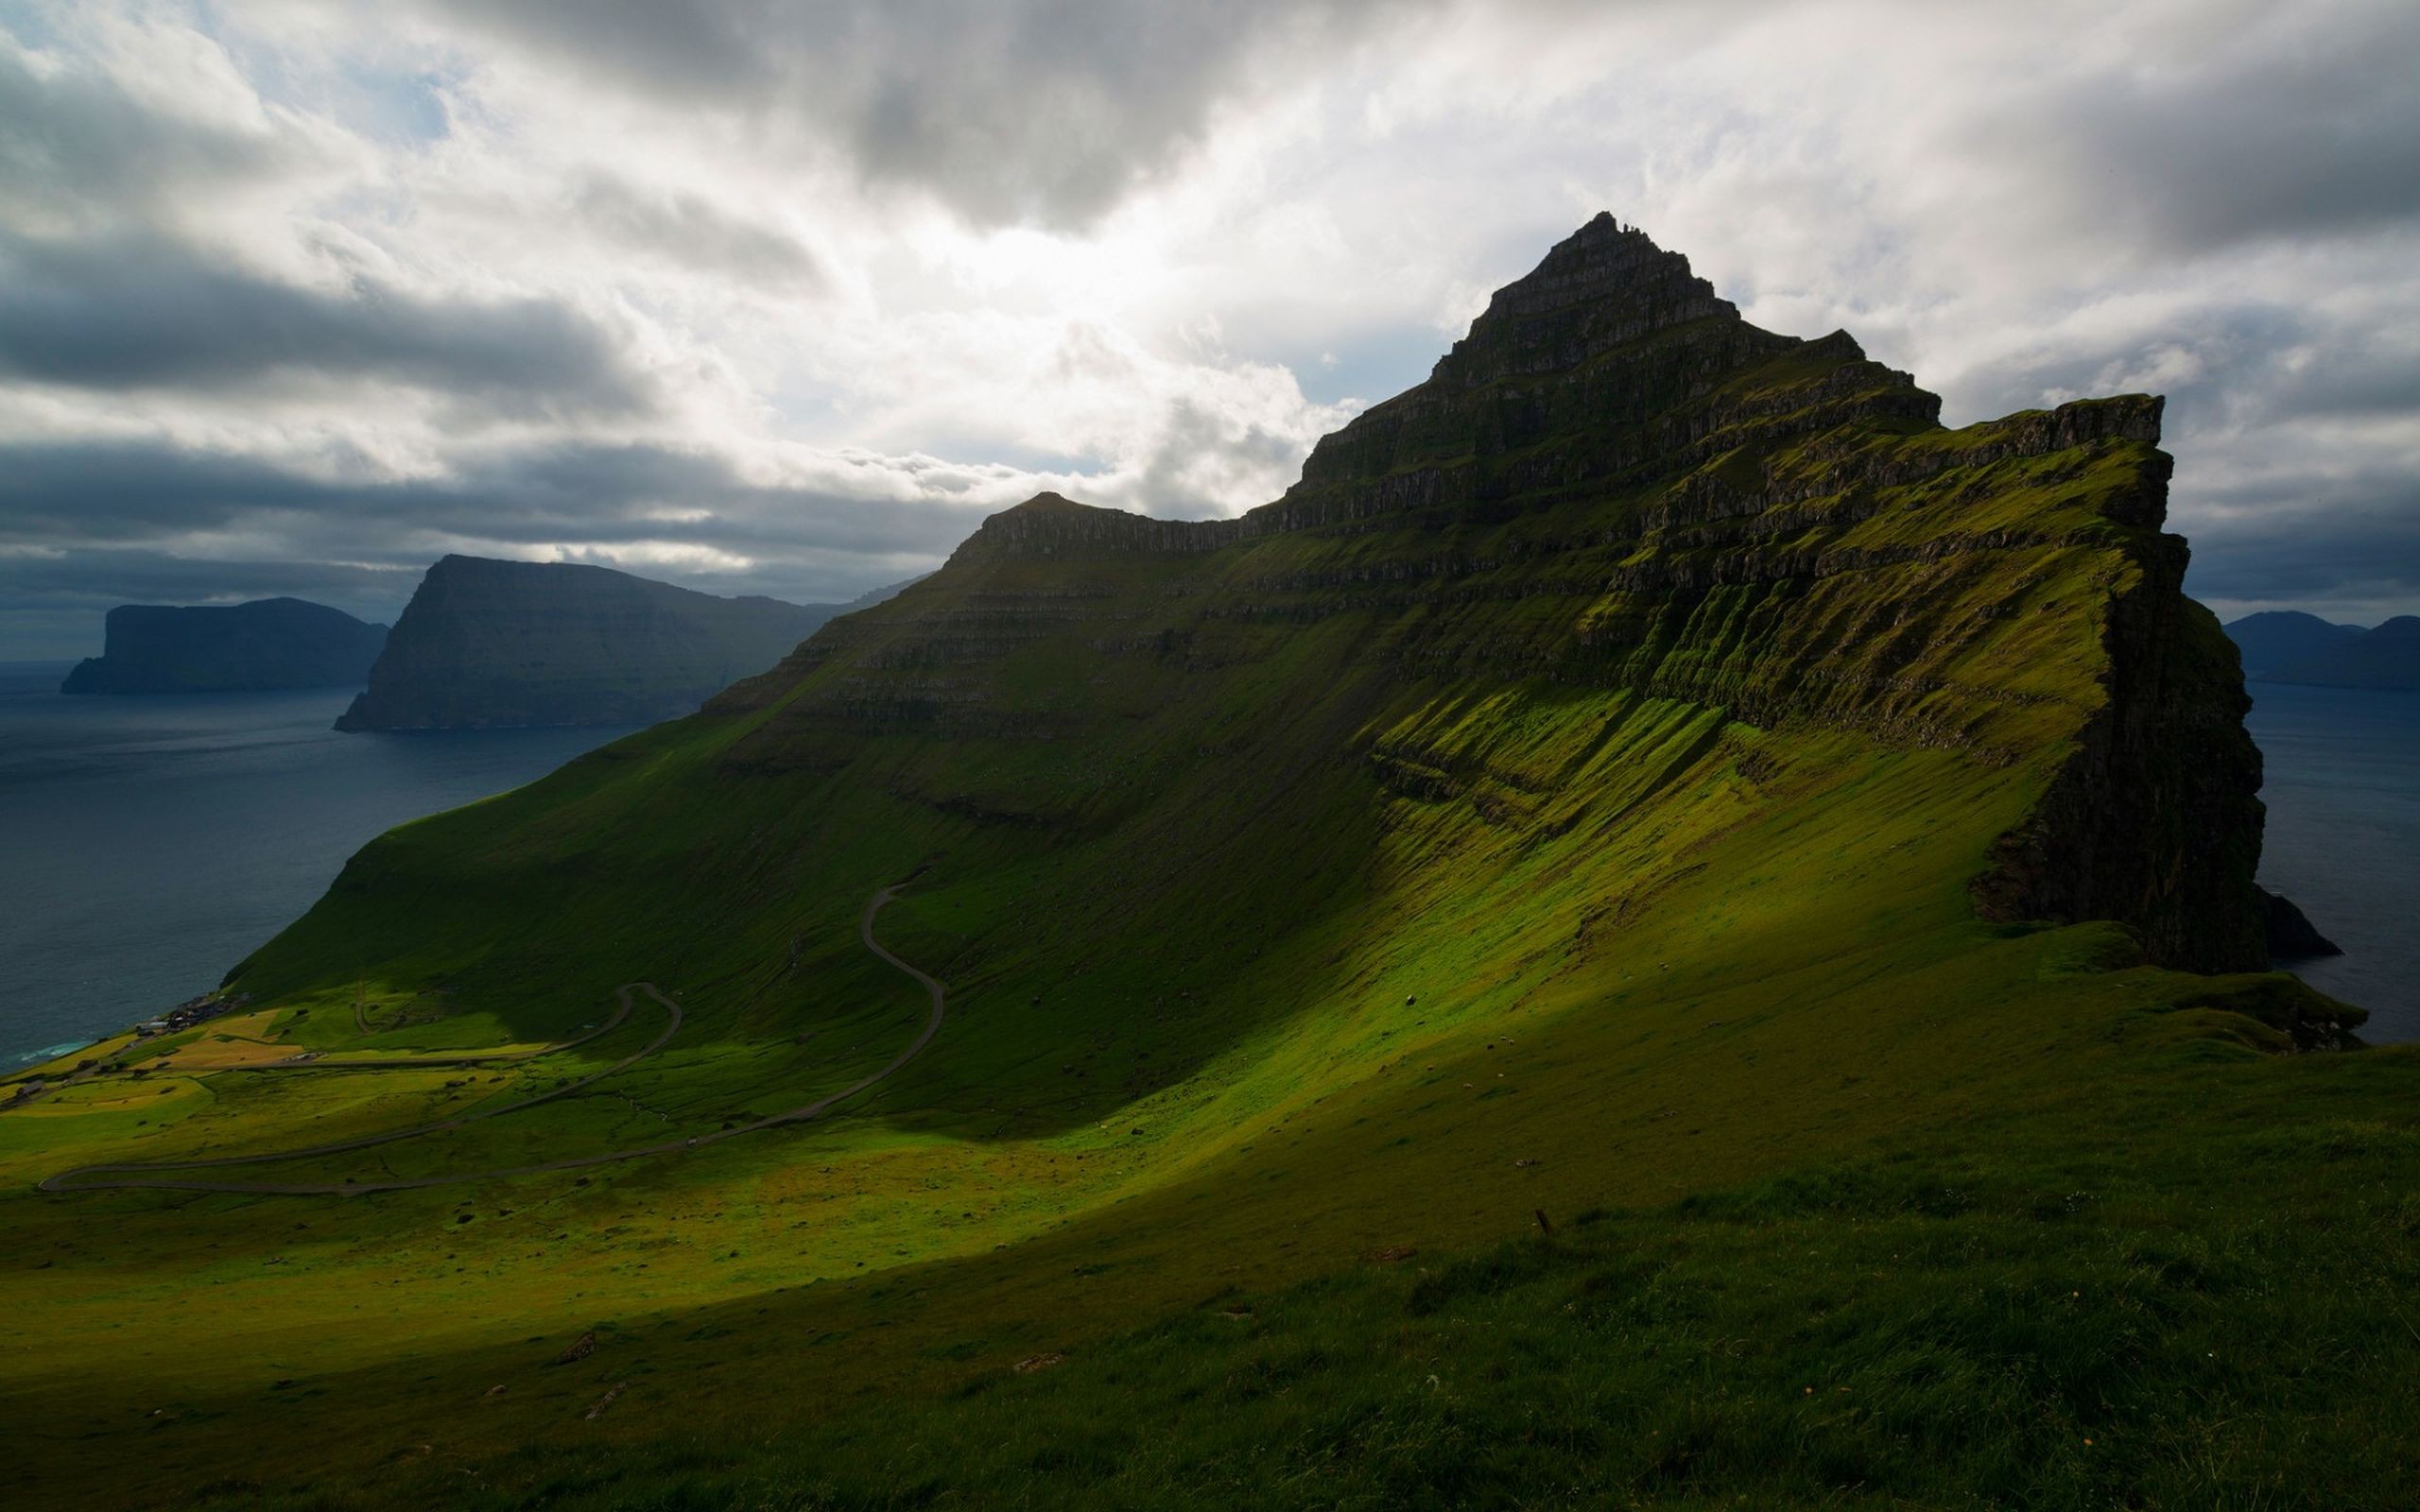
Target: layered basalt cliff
[(260, 646), (493, 643), (1615, 483)]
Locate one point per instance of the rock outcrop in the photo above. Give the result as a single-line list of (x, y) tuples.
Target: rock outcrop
[(489, 643), (2290, 934), (268, 644)]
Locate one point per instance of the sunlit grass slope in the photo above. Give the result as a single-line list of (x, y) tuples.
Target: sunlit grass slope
[(1620, 945)]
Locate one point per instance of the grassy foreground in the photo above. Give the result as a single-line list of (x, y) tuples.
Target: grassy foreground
[(2145, 1331)]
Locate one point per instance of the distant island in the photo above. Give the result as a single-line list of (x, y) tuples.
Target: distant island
[(268, 644), (486, 643), (2287, 645)]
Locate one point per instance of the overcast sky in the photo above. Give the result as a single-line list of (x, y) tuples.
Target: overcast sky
[(783, 296)]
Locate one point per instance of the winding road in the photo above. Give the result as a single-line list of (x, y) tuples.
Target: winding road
[(143, 1174)]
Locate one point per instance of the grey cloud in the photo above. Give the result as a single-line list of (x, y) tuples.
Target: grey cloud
[(76, 150), (1199, 457), (106, 576), (134, 312), (687, 230), (2246, 363), (2354, 542), (2374, 371), (1007, 110), (607, 491), (96, 494), (2292, 122)]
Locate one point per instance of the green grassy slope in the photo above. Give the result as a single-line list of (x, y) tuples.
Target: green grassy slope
[(1651, 775)]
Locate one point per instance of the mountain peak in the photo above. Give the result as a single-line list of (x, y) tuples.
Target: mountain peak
[(1603, 285), (1611, 368)]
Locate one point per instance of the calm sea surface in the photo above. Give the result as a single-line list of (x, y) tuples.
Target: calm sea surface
[(2343, 842), (147, 843)]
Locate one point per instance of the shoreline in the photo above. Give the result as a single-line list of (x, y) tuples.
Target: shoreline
[(47, 1053)]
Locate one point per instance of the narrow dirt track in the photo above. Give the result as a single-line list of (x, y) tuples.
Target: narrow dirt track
[(137, 1176)]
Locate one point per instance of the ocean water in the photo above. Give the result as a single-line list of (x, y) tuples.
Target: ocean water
[(2344, 838), (147, 843)]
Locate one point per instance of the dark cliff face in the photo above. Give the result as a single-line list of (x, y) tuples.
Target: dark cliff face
[(2154, 819), (260, 646), (1615, 483), (493, 643)]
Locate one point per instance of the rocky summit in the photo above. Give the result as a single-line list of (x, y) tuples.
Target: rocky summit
[(1662, 930), (492, 644)]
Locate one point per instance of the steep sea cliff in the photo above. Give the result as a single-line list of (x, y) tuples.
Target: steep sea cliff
[(489, 643)]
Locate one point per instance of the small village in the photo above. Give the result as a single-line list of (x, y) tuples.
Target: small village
[(191, 1012), (186, 1015)]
